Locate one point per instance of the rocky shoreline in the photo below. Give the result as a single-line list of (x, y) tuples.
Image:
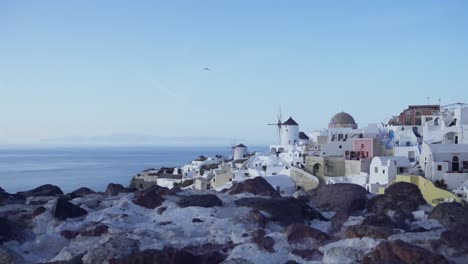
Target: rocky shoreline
[(248, 223)]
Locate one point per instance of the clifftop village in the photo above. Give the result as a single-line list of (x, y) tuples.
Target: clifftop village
[(425, 144)]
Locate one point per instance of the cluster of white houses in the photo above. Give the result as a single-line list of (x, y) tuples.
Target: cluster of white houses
[(426, 140)]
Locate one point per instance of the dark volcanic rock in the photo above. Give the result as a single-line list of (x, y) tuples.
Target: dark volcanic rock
[(151, 197), (96, 231), (9, 230), (338, 220), (113, 189), (68, 234), (80, 192), (161, 209), (201, 200), (256, 216), (64, 209), (205, 254), (197, 220), (267, 243), (285, 211), (339, 197), (75, 260), (369, 231), (38, 211), (262, 241), (8, 198), (304, 236), (44, 190), (401, 252), (308, 254), (456, 237), (450, 214), (118, 246), (401, 197), (257, 186)]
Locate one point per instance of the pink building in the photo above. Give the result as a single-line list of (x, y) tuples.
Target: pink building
[(362, 148)]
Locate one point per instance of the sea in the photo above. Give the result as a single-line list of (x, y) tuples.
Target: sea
[(94, 167)]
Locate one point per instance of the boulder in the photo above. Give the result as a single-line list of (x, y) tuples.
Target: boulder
[(44, 190), (257, 217), (456, 237), (10, 231), (449, 214), (262, 241), (162, 209), (38, 211), (201, 200), (68, 234), (95, 231), (341, 255), (401, 252), (345, 197), (237, 261), (308, 254), (401, 197), (304, 236), (81, 192), (113, 189), (117, 246), (64, 209), (8, 198), (256, 186), (7, 256), (204, 254), (359, 231), (152, 197), (338, 220), (285, 211)]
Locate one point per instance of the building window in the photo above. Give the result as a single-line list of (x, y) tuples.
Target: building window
[(401, 170), (465, 165), (340, 146), (330, 169), (383, 171), (362, 146), (439, 167), (376, 170)]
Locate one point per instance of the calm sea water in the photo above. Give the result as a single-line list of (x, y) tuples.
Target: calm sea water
[(71, 168)]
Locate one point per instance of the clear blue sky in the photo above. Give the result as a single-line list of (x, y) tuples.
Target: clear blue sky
[(85, 68)]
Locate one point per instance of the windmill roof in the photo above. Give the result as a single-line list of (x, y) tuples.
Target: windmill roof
[(303, 135), (290, 122), (241, 146)]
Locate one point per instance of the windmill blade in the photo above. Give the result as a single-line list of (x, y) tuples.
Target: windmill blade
[(280, 115)]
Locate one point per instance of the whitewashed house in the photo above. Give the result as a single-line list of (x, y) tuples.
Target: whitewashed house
[(383, 170), (446, 163), (449, 127), (194, 168)]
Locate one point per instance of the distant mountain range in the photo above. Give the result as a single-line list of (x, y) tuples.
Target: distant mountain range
[(142, 139)]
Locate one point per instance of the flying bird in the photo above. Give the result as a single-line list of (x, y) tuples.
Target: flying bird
[(206, 69)]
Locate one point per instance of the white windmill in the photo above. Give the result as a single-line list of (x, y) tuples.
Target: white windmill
[(278, 124)]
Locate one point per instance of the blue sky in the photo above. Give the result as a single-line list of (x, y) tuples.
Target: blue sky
[(94, 68)]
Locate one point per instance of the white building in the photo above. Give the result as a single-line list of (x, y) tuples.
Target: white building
[(383, 170), (449, 127), (289, 132), (446, 163), (193, 169), (240, 152)]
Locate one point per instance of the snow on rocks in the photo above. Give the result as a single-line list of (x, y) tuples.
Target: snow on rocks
[(158, 225), (257, 186)]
